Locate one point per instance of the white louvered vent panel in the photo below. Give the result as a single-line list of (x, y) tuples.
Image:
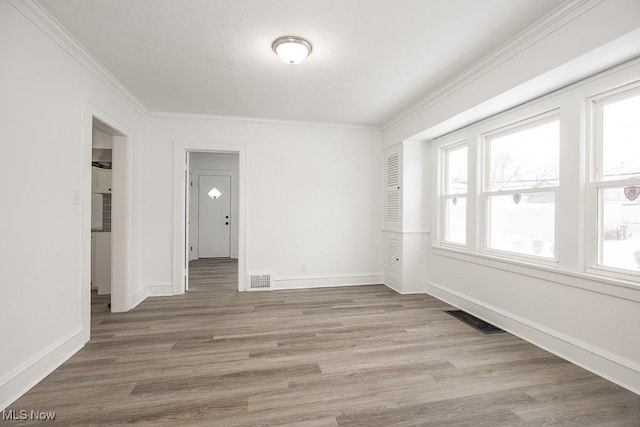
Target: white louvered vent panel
[(393, 195), (393, 205), (259, 282), (393, 170), (392, 263)]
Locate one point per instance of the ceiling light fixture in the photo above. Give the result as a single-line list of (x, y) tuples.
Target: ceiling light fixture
[(291, 49)]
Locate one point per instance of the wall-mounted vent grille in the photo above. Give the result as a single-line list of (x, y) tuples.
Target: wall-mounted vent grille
[(393, 205), (392, 193), (392, 262), (259, 282), (393, 169)]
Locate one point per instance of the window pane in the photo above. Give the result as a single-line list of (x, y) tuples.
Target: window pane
[(621, 139), (526, 158), (456, 180), (620, 230), (527, 227), (456, 220)]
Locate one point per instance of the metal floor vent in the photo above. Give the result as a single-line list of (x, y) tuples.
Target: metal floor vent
[(474, 322), (259, 282)]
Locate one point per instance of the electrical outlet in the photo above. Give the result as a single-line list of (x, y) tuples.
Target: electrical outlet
[(303, 268)]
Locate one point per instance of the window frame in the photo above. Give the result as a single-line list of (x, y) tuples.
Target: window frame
[(485, 192), (595, 182), (444, 196)]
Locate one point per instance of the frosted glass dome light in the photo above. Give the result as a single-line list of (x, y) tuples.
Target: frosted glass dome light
[(291, 49)]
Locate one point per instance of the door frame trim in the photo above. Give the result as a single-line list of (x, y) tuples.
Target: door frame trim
[(120, 290), (180, 148)]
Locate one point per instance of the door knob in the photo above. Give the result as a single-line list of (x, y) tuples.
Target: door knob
[(226, 223)]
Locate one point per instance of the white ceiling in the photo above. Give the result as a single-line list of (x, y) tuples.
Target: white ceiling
[(371, 58)]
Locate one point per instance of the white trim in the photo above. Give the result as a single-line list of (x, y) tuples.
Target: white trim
[(42, 19), (329, 281), (406, 231), (442, 171), (122, 298), (619, 370), (21, 379), (260, 122), (159, 290), (140, 295), (555, 20), (179, 238)]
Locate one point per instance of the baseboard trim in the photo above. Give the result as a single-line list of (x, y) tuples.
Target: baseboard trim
[(306, 282), (393, 286), (396, 287), (159, 290), (137, 297), (621, 371), (152, 290), (21, 379)]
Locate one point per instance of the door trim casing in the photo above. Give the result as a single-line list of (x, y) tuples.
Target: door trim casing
[(121, 292), (180, 148)]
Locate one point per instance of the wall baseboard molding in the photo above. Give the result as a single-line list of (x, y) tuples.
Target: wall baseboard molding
[(621, 371), (159, 289), (21, 379), (151, 290), (396, 288), (137, 297), (306, 282)]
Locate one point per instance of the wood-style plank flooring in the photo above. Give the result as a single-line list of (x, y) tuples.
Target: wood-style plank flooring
[(353, 356)]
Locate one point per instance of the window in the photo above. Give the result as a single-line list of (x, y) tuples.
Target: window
[(454, 194), (521, 167), (615, 183)]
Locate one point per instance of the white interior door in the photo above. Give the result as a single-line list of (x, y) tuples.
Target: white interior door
[(214, 212)]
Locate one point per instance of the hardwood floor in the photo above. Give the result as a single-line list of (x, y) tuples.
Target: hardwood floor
[(353, 356)]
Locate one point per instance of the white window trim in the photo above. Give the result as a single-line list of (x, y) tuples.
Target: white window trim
[(595, 183), (485, 192), (443, 195), (572, 101)]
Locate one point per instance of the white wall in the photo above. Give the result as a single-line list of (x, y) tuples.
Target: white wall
[(45, 129), (313, 197), (205, 164)]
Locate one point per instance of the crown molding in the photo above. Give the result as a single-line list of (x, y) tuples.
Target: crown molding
[(42, 19), (550, 23), (261, 122)]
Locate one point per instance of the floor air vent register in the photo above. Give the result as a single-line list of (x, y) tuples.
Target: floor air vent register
[(258, 282), (474, 322)]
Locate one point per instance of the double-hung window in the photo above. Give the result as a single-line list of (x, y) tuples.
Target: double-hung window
[(615, 182), (454, 194), (521, 179)]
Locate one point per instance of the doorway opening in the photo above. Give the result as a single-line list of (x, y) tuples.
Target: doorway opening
[(101, 202), (210, 166), (107, 219), (212, 193)]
